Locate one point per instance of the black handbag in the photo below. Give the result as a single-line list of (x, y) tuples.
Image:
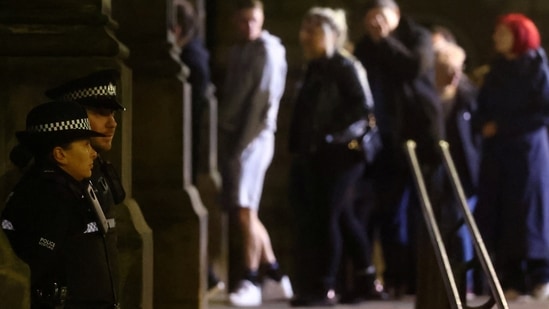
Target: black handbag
[(369, 143)]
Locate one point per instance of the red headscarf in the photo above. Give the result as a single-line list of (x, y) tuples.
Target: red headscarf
[(524, 31)]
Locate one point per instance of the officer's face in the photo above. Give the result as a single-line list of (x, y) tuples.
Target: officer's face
[(102, 120), (76, 159)]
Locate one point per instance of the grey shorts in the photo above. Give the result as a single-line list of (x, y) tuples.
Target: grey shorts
[(244, 175)]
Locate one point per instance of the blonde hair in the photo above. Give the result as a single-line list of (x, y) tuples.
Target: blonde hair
[(449, 59), (449, 54), (334, 18)]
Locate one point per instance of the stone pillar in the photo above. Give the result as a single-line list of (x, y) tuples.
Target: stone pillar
[(161, 170), (44, 44), (209, 186)]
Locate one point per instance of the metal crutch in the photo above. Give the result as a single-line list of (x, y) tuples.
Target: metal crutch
[(433, 230), (496, 296)]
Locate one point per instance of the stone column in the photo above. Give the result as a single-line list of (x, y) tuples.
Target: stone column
[(161, 169), (44, 44), (209, 186)]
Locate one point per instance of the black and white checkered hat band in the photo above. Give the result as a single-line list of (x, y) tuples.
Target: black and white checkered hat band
[(76, 124), (98, 91)]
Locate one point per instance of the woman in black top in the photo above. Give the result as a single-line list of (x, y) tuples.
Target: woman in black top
[(330, 112)]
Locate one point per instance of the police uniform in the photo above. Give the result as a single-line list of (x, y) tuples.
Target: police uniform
[(98, 90), (53, 227), (104, 178)]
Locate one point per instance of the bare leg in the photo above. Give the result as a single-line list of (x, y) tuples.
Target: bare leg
[(267, 253), (258, 250), (257, 243)]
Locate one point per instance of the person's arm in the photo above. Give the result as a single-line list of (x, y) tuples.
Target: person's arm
[(270, 68), (357, 102), (536, 112), (195, 56), (234, 92), (38, 235), (410, 58), (521, 109)]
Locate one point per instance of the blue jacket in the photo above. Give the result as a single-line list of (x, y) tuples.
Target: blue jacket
[(513, 206), (464, 142)]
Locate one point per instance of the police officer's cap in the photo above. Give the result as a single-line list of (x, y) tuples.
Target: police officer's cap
[(97, 89), (55, 123)]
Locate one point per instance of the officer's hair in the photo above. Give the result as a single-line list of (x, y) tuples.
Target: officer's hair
[(40, 152)]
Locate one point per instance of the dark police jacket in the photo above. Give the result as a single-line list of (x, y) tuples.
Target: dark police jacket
[(109, 192), (52, 228)]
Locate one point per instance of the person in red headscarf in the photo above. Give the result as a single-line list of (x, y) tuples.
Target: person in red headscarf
[(513, 112)]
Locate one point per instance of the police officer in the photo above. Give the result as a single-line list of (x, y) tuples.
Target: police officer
[(97, 93), (50, 218)]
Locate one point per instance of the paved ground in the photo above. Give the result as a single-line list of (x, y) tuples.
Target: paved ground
[(406, 303)]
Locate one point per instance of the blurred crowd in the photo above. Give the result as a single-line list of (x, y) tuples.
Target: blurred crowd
[(406, 81)]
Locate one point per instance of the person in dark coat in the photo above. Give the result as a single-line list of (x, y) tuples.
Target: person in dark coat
[(458, 98), (331, 110), (398, 56), (513, 204), (52, 217), (196, 57)]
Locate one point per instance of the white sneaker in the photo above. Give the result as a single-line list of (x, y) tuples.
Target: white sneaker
[(277, 290), (541, 291), (247, 295)]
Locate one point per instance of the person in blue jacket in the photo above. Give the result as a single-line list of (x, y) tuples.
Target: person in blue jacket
[(513, 205)]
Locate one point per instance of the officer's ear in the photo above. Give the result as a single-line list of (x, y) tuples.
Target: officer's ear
[(59, 155)]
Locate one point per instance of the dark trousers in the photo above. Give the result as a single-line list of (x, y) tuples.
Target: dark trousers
[(393, 191), (523, 275), (322, 195)]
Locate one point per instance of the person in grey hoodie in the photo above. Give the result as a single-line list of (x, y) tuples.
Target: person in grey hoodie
[(255, 81)]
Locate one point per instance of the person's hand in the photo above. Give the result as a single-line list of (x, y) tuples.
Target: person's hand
[(379, 23), (374, 26), (489, 129)]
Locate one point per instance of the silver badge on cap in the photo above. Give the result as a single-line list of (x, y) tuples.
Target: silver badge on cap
[(111, 89)]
